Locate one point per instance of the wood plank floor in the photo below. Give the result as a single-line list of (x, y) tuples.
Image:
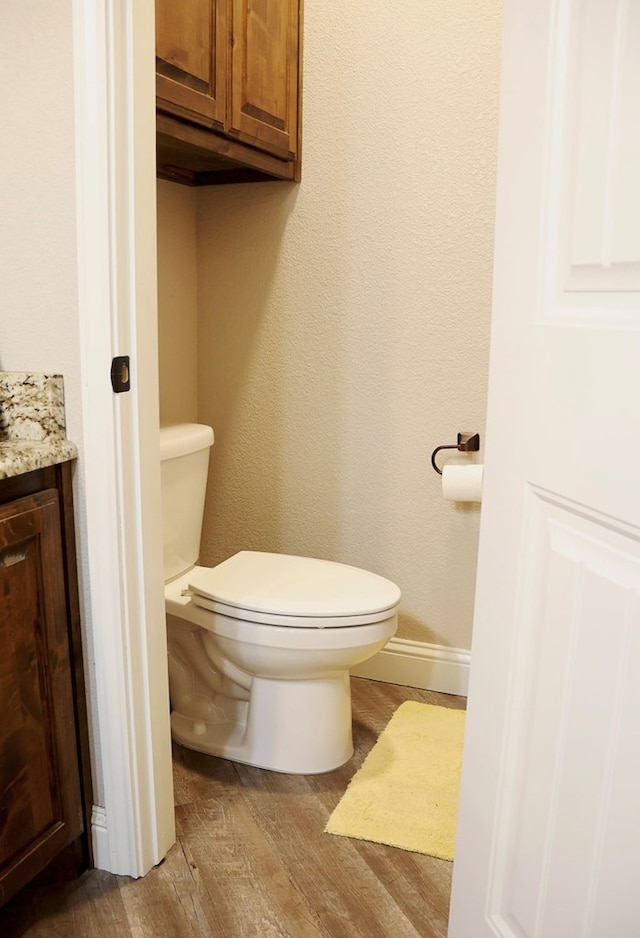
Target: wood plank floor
[(251, 859)]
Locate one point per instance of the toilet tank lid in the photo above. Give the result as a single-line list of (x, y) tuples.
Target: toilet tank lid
[(179, 439), (280, 584)]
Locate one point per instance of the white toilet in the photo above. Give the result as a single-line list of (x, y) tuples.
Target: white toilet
[(260, 646)]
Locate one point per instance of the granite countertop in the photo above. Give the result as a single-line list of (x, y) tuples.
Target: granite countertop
[(32, 423)]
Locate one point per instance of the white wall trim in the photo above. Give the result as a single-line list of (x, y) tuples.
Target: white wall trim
[(100, 838), (419, 664), (123, 608)]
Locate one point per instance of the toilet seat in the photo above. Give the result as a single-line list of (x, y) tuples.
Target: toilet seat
[(285, 590)]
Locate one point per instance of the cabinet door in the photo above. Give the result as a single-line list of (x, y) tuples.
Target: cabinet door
[(40, 801), (264, 75), (191, 59)]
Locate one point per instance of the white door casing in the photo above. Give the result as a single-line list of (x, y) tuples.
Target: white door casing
[(549, 823), (133, 825)]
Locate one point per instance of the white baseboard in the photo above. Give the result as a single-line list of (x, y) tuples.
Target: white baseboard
[(102, 859), (419, 664)]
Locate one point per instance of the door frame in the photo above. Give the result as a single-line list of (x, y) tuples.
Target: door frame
[(119, 473)]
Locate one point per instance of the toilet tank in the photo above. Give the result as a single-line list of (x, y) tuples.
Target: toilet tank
[(184, 463)]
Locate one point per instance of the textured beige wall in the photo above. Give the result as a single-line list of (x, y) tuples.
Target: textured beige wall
[(343, 324), (177, 310), (38, 264)]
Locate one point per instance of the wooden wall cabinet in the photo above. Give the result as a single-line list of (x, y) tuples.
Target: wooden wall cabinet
[(44, 796), (228, 89), (191, 60)]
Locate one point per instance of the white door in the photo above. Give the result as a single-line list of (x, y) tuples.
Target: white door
[(549, 824)]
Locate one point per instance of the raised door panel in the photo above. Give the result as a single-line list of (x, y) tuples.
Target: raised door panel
[(191, 58), (40, 801), (264, 84), (549, 823)]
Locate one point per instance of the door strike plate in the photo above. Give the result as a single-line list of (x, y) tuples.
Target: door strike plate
[(120, 374)]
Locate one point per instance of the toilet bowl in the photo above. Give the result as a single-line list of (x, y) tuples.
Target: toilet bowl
[(260, 646)]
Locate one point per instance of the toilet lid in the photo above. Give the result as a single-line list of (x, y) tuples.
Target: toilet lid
[(282, 585)]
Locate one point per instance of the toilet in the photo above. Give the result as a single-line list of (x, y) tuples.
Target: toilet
[(260, 646)]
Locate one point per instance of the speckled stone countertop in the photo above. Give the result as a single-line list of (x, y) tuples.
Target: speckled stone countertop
[(32, 425)]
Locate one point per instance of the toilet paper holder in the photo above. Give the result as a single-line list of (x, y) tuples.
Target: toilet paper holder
[(467, 443)]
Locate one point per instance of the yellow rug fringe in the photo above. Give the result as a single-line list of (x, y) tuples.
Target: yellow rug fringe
[(406, 792)]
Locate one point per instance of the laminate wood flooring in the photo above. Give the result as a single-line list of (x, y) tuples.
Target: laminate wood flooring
[(251, 859)]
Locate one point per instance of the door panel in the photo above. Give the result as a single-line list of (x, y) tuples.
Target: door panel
[(40, 803), (191, 45), (578, 612), (264, 87), (549, 824)]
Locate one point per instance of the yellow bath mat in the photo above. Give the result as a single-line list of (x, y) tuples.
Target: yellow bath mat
[(406, 793)]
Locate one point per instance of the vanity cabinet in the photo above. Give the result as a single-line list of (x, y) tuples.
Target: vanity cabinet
[(227, 89), (44, 795)]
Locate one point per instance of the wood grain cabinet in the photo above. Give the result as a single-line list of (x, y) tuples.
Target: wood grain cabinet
[(43, 796), (227, 89)]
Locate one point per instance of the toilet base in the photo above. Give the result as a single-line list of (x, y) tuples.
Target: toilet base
[(297, 727)]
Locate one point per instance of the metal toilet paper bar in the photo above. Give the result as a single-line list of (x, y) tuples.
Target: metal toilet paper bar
[(467, 443)]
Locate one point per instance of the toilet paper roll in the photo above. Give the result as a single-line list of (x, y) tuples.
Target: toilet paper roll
[(462, 483)]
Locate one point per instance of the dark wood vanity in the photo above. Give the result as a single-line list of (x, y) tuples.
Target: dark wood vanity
[(45, 796)]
